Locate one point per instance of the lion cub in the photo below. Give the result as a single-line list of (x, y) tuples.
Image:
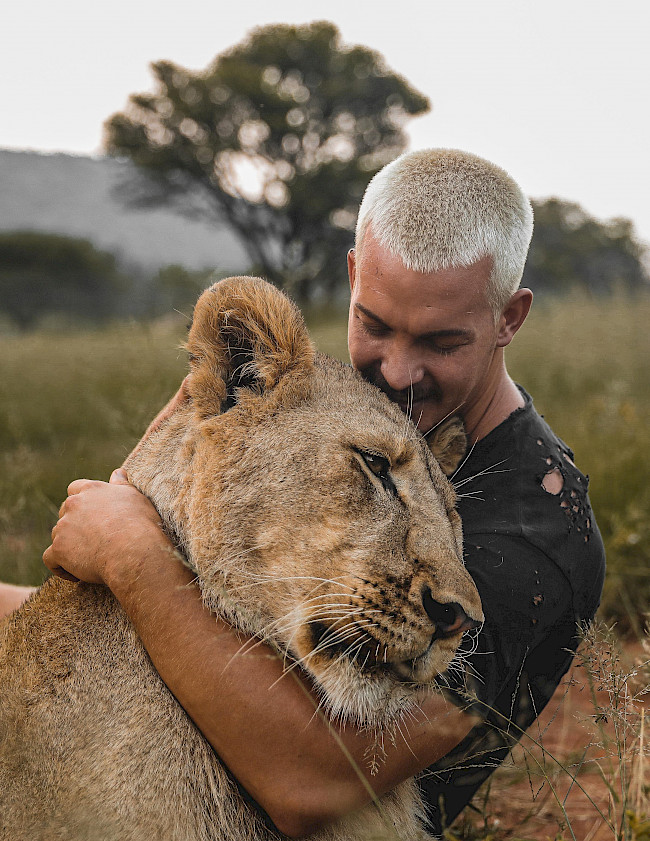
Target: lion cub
[(314, 516)]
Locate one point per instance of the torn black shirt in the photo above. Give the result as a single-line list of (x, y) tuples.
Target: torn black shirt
[(538, 561)]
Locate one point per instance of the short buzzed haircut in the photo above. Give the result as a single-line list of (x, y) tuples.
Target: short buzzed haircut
[(443, 208)]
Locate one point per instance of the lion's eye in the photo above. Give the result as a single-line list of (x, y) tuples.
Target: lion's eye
[(379, 466)]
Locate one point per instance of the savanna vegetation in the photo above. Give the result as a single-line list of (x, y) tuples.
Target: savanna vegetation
[(72, 404), (279, 136), (276, 139), (44, 274)]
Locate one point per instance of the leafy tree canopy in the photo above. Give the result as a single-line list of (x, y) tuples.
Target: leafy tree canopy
[(279, 137), (177, 288), (42, 273), (571, 249)]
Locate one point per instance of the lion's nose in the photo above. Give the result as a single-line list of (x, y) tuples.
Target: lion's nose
[(449, 618)]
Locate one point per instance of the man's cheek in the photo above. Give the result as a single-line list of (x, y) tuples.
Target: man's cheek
[(362, 353)]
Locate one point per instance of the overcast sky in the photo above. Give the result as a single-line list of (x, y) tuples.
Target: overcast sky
[(556, 92)]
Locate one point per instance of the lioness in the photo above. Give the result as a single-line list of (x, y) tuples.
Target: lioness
[(314, 516)]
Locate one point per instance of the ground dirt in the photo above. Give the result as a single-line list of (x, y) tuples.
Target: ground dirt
[(591, 716)]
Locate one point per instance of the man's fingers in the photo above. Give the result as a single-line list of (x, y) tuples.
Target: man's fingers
[(48, 558), (55, 569), (79, 485), (119, 477), (62, 573)]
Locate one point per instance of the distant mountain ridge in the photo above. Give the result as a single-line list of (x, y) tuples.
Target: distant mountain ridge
[(74, 196)]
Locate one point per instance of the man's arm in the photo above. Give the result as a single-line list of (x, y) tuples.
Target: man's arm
[(303, 771)]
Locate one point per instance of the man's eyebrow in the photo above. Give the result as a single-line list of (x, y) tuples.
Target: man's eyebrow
[(371, 314), (451, 332)]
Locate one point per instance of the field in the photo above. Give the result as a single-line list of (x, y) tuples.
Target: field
[(74, 404)]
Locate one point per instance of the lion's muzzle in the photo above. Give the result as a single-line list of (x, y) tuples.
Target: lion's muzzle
[(448, 618)]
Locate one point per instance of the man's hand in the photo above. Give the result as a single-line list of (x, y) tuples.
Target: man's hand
[(101, 528)]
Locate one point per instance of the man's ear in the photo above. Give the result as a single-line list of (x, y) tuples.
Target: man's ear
[(352, 267), (513, 316), (448, 443)]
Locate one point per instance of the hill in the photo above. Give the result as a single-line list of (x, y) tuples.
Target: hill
[(75, 196)]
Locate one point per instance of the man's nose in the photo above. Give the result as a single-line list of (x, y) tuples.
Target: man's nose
[(401, 369)]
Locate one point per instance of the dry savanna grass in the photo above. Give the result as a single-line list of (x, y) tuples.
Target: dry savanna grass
[(581, 772), (73, 404)]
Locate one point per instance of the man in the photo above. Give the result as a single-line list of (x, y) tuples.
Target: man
[(441, 242)]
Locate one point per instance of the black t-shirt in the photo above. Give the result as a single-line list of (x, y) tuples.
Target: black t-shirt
[(538, 561)]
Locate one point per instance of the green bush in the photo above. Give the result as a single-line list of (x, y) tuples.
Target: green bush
[(42, 274)]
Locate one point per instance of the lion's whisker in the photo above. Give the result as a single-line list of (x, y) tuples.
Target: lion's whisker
[(338, 636), (487, 471), (328, 644), (324, 596), (299, 621), (295, 627), (268, 577), (462, 464), (398, 725), (442, 420), (212, 574), (352, 647), (296, 614), (273, 578), (343, 634), (299, 662)]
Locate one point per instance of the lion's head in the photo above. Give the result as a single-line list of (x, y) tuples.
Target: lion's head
[(310, 508)]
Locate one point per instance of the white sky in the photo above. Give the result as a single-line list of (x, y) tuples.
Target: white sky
[(556, 91)]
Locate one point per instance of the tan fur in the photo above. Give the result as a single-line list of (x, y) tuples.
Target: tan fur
[(262, 480)]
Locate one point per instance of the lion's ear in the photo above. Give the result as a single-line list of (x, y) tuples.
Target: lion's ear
[(448, 443), (245, 334)]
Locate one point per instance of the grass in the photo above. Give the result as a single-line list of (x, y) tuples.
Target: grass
[(73, 404), (587, 364), (581, 772)]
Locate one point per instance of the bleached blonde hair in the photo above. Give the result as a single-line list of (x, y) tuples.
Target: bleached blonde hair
[(444, 208)]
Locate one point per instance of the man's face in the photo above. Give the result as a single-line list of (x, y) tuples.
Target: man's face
[(427, 340)]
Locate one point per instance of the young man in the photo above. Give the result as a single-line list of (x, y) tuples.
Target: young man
[(441, 243)]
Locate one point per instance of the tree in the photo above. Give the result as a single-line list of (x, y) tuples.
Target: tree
[(572, 249), (278, 137), (177, 288), (43, 273)]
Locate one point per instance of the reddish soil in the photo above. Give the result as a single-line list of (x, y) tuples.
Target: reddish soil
[(592, 713)]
